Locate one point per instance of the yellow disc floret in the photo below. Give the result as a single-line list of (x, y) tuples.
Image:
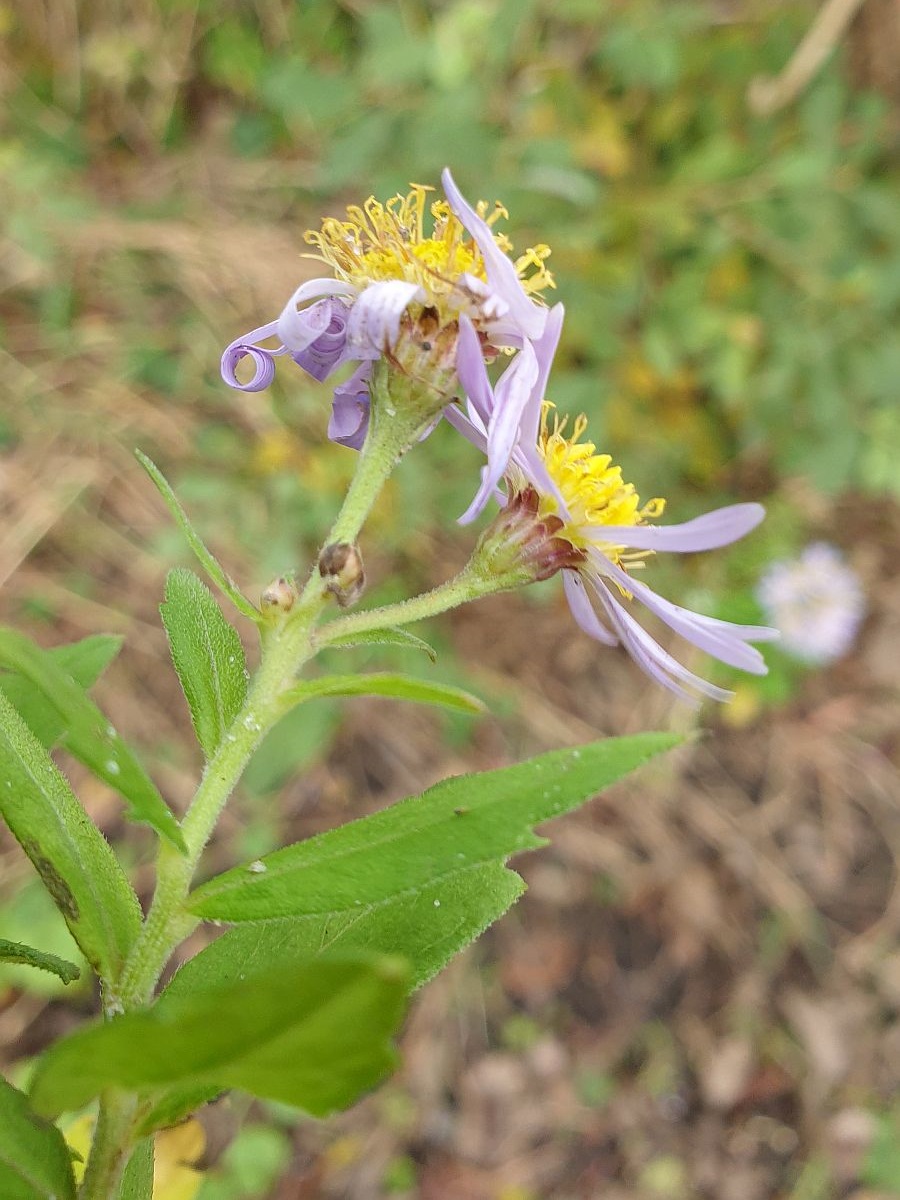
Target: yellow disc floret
[(593, 489), (379, 241)]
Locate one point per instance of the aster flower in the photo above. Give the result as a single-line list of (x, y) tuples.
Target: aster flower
[(401, 291), (815, 601), (567, 508)]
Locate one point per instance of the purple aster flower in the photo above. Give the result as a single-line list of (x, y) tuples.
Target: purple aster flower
[(568, 508), (815, 601), (395, 280)]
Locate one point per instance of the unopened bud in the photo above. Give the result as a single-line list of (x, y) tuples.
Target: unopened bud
[(341, 567), (278, 597)]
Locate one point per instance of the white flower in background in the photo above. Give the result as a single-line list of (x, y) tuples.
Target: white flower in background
[(816, 602)]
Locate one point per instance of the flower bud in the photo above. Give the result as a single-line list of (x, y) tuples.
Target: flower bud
[(341, 567), (278, 597)]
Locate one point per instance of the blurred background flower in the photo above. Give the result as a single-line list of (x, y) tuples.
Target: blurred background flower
[(815, 601)]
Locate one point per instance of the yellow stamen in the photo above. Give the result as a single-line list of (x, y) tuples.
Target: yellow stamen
[(388, 241), (593, 489)]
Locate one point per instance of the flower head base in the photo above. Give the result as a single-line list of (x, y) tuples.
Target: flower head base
[(816, 602), (380, 242)]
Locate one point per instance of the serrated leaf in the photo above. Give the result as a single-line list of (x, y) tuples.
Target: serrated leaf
[(466, 821), (17, 952), (205, 557), (84, 661), (314, 1036), (375, 637), (427, 926), (88, 736), (207, 654), (399, 687), (74, 860), (34, 1160)]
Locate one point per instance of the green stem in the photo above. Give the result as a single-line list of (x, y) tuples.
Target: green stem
[(468, 585), (287, 645), (111, 1147)]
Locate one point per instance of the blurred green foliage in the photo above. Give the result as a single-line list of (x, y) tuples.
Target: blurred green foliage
[(732, 282)]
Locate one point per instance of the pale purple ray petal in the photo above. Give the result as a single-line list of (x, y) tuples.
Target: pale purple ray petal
[(722, 639), (329, 349), (374, 322), (651, 657), (467, 428), (471, 371), (712, 530), (263, 360), (349, 422), (501, 273), (510, 396), (583, 611), (293, 326), (544, 349)]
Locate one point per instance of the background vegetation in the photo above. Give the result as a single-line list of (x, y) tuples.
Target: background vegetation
[(700, 995)]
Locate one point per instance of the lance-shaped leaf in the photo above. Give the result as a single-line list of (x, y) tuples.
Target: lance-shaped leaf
[(399, 687), (17, 952), (314, 1036), (34, 1160), (88, 736), (466, 821), (74, 860), (85, 661), (372, 637), (205, 557), (427, 925), (207, 654)]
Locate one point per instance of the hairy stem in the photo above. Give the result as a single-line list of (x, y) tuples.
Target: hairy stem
[(111, 1146)]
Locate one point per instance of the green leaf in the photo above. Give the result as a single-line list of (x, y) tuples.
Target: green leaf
[(17, 952), (207, 560), (72, 857), (88, 736), (375, 637), (84, 661), (34, 1159), (207, 654), (427, 926), (462, 822), (314, 1036), (400, 687), (137, 1182)]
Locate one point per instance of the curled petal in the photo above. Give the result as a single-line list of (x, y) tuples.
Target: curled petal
[(722, 639), (293, 326), (528, 317), (712, 530), (329, 349), (263, 360), (583, 611), (374, 322), (349, 421), (652, 658)]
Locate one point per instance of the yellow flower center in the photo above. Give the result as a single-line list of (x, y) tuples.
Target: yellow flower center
[(379, 241), (593, 489)]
